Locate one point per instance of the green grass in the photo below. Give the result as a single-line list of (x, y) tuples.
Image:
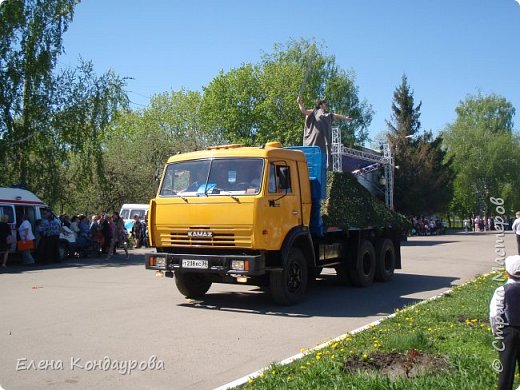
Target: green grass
[(454, 327)]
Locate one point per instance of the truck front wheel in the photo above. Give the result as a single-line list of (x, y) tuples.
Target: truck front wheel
[(290, 285), (192, 284)]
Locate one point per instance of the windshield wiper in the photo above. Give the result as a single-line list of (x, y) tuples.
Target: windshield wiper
[(224, 192), (175, 193)]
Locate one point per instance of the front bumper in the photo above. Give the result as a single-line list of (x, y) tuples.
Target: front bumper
[(253, 265)]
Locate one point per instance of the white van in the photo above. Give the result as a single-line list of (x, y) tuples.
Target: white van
[(16, 202), (129, 210)]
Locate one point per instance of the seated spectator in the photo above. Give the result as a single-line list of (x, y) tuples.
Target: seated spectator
[(74, 222), (96, 230), (84, 229)]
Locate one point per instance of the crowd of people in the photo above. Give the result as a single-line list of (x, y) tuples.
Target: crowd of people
[(102, 233), (423, 226), (480, 224), (428, 226)]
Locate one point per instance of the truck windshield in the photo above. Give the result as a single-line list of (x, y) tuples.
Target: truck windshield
[(226, 176)]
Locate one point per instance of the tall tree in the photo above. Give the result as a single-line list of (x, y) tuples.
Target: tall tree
[(49, 117), (485, 152), (30, 43), (257, 103), (405, 117), (137, 146), (229, 105), (423, 181)]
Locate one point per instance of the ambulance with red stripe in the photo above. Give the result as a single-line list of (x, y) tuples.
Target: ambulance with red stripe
[(15, 202)]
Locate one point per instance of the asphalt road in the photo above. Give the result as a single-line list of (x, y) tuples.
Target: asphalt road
[(76, 325)]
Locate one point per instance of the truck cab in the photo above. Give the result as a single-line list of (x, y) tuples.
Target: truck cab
[(250, 215)]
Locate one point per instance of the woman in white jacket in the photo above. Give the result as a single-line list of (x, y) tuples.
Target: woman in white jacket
[(26, 233)]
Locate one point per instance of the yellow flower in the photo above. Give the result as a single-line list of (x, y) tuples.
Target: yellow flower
[(249, 381)]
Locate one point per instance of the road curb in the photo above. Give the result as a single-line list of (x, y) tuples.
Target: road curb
[(284, 362)]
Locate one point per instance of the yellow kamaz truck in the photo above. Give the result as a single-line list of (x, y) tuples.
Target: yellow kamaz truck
[(251, 215)]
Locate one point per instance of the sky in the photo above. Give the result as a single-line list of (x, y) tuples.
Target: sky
[(448, 49)]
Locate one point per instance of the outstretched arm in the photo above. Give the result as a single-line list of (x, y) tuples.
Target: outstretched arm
[(346, 118), (302, 107)]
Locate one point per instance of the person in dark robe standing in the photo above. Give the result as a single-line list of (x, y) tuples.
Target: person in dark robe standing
[(318, 127)]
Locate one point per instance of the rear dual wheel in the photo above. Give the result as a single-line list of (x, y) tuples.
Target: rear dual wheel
[(370, 264), (385, 265), (362, 274)]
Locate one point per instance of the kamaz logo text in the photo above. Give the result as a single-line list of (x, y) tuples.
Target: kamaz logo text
[(206, 234)]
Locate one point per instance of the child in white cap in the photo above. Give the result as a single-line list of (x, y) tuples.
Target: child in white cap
[(504, 314)]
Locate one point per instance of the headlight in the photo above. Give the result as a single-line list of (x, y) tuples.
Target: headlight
[(155, 261), (238, 265), (160, 261)]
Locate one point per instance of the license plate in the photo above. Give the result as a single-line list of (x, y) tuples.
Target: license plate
[(188, 263)]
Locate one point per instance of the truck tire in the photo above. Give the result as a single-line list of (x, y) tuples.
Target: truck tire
[(385, 265), (362, 275), (192, 284), (290, 285)]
